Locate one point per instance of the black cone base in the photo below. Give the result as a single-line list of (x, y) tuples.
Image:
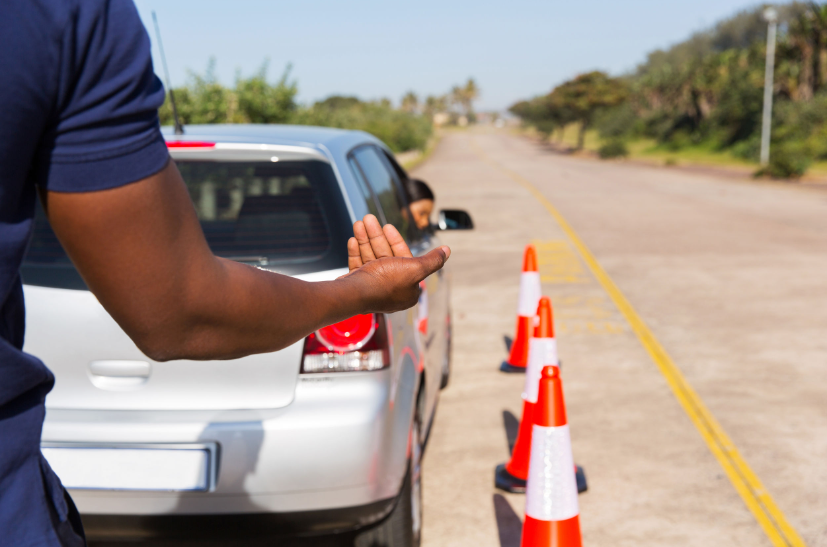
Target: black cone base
[(508, 482), (580, 475), (506, 367)]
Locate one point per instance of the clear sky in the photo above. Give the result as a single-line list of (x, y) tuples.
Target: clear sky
[(373, 49)]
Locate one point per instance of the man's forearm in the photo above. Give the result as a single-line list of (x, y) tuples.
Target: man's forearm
[(141, 250), (240, 310)]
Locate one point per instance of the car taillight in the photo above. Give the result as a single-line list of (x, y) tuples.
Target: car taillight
[(190, 144), (358, 343)]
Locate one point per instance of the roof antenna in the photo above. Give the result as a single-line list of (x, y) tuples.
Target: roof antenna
[(179, 129)]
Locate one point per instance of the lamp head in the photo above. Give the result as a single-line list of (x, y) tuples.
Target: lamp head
[(771, 15)]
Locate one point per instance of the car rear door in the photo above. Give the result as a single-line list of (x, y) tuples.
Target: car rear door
[(377, 168)]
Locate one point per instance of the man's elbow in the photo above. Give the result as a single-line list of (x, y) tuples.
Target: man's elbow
[(172, 340), (161, 348)]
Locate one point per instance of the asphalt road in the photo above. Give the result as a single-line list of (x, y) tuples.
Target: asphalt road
[(730, 276)]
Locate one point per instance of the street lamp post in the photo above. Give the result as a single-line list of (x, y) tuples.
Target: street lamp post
[(772, 18)]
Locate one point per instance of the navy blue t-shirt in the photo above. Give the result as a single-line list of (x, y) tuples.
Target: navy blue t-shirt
[(78, 113)]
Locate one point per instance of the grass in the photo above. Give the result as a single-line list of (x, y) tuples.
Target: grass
[(650, 151), (690, 155), (818, 169)]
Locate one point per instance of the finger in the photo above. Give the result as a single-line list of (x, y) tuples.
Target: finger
[(378, 241), (361, 235), (431, 262), (354, 257), (398, 245)]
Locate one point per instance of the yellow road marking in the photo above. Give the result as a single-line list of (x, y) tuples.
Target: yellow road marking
[(558, 263), (746, 483)]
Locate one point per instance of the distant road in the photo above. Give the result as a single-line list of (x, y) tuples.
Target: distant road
[(729, 278)]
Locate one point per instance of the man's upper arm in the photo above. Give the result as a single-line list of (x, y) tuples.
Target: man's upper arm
[(105, 130)]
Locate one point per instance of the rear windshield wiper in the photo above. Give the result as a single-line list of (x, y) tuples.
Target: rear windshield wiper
[(260, 260)]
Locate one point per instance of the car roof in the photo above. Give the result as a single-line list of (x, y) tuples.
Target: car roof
[(293, 135)]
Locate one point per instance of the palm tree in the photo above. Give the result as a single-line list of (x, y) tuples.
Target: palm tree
[(456, 97), (410, 103), (471, 92), (434, 105)]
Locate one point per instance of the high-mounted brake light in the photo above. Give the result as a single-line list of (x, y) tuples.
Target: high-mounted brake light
[(190, 144), (358, 343)]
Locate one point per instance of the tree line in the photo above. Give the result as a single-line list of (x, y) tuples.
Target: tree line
[(708, 91), (451, 107), (254, 99)]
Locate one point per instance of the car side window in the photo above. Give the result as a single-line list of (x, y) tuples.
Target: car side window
[(370, 198), (401, 178), (384, 185), (400, 173)]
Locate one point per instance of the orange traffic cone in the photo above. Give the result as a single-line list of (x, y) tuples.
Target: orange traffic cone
[(542, 351), (529, 298), (551, 509)]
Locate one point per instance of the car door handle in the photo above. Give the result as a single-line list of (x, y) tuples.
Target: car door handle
[(119, 375)]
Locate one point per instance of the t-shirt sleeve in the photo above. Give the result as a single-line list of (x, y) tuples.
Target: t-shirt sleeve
[(105, 131)]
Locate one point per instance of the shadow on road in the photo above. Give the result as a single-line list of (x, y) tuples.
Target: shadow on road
[(512, 426), (508, 341), (320, 541), (509, 525)]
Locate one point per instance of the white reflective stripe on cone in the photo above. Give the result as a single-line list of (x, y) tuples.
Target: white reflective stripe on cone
[(551, 492), (529, 294), (541, 352)]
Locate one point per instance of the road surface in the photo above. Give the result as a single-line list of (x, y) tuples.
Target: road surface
[(728, 276)]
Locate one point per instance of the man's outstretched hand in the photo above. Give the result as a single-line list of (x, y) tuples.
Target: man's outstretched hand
[(383, 268)]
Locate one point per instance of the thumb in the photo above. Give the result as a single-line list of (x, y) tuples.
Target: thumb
[(431, 262)]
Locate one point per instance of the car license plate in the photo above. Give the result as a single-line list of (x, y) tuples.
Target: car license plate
[(133, 467)]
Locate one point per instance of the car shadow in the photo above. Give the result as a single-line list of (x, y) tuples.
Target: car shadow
[(512, 427), (509, 525), (191, 527), (246, 446), (343, 540)]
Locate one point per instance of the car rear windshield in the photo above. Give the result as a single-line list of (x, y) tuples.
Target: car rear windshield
[(287, 216)]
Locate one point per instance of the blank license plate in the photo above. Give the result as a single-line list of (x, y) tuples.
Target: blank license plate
[(128, 468)]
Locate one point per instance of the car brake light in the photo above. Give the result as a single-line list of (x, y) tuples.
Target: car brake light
[(358, 343), (190, 144)]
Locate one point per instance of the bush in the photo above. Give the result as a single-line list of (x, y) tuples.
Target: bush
[(617, 122), (255, 100), (252, 100), (613, 149), (400, 130), (749, 149), (788, 161)]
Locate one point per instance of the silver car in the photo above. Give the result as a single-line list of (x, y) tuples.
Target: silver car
[(323, 436)]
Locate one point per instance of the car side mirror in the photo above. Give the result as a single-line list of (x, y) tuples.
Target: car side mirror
[(454, 219)]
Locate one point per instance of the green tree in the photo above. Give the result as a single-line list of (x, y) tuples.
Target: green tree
[(261, 102), (581, 98), (538, 113)]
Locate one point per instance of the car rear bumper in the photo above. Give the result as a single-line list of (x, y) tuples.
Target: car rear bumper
[(342, 443)]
